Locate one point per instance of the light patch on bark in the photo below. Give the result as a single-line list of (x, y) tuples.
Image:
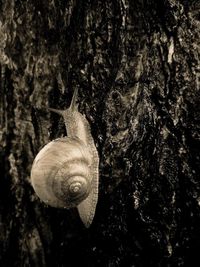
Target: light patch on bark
[(171, 50)]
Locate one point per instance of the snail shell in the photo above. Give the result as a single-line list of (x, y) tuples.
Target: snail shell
[(65, 171)]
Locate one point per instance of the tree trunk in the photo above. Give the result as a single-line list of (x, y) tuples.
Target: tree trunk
[(136, 65)]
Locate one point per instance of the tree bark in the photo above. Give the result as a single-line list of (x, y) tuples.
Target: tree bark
[(136, 65)]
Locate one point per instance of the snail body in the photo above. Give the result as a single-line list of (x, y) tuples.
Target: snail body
[(65, 171)]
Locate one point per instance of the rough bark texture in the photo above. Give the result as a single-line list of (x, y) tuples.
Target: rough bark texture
[(136, 64)]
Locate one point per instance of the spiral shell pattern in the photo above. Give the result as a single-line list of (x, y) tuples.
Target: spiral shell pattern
[(61, 172)]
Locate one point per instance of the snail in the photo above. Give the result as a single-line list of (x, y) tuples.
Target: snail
[(65, 172)]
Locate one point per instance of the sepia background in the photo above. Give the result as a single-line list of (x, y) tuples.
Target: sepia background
[(136, 67)]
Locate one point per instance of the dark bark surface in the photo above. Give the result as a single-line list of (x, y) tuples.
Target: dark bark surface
[(136, 64)]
